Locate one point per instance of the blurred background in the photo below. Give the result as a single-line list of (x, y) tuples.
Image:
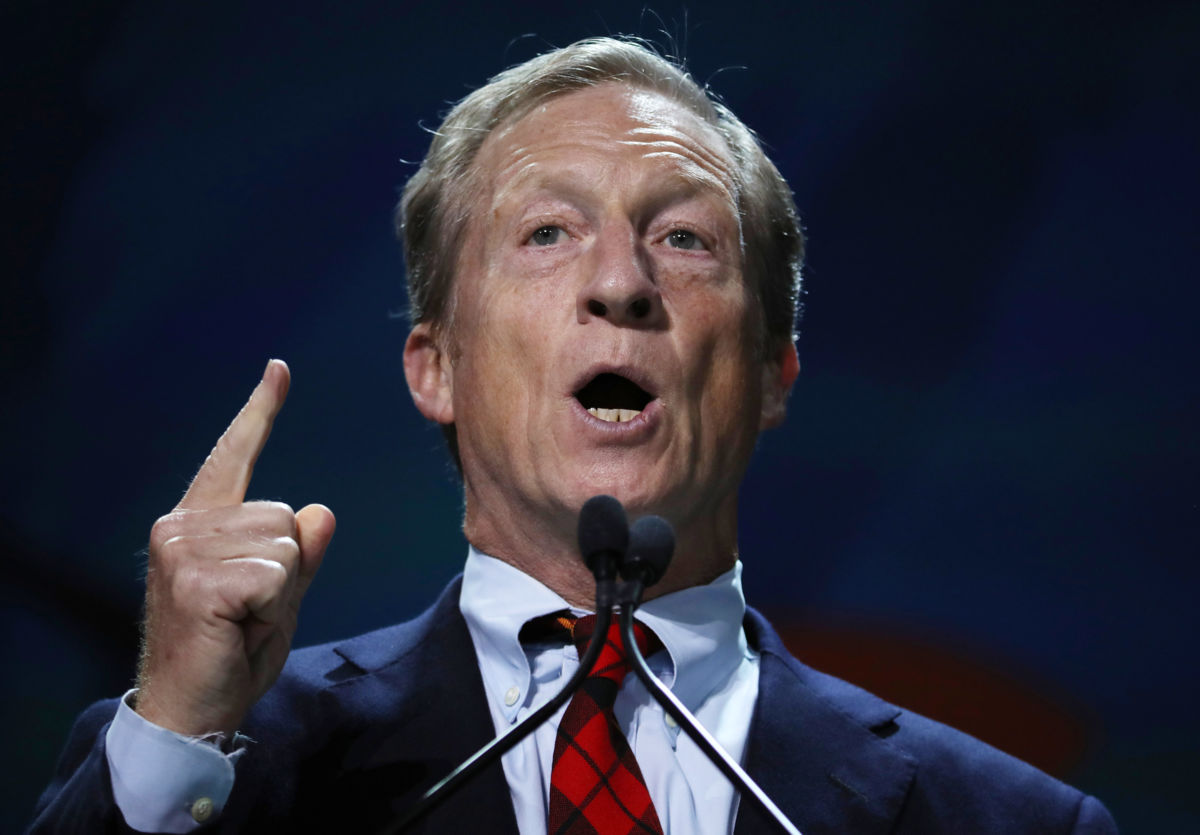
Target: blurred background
[(983, 506)]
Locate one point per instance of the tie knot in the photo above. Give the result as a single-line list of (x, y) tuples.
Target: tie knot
[(613, 663)]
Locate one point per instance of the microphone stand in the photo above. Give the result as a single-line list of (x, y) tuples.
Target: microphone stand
[(498, 747), (631, 595)]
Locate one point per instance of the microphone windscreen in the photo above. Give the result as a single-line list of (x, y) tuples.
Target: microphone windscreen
[(603, 529), (651, 546)]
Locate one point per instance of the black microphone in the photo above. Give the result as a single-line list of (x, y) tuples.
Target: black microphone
[(603, 536), (651, 545)]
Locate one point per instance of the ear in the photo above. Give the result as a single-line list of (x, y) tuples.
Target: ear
[(430, 375), (779, 373)]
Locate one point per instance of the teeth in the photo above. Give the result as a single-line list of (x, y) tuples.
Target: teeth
[(613, 415)]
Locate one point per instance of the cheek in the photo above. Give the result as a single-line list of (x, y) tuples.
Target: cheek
[(731, 412), (506, 344), (715, 330)]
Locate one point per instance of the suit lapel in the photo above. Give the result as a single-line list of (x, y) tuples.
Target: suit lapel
[(418, 710), (817, 748), (413, 708)]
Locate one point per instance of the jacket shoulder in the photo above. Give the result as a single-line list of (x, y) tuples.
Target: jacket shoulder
[(958, 782)]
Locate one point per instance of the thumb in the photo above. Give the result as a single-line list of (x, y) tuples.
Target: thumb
[(314, 528)]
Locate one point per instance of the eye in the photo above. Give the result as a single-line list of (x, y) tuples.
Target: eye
[(547, 236), (683, 239)]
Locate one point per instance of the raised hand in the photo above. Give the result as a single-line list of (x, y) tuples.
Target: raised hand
[(225, 581)]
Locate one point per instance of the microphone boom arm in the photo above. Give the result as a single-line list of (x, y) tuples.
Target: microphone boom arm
[(703, 739), (501, 745)]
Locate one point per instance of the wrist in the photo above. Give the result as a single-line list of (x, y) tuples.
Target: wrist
[(187, 720)]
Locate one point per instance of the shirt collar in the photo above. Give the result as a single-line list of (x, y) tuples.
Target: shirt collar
[(700, 627)]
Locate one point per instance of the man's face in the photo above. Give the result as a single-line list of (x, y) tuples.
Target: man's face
[(603, 338)]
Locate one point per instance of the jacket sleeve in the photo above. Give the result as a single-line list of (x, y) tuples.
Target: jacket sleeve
[(1094, 819), (79, 798)]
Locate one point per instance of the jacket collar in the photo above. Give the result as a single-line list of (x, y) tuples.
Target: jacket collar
[(417, 710), (818, 747)]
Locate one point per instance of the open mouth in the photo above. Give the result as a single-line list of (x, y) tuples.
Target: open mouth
[(613, 398)]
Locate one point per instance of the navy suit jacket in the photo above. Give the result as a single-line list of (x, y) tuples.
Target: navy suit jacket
[(353, 732)]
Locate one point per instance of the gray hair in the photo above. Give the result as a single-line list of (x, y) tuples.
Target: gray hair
[(436, 205)]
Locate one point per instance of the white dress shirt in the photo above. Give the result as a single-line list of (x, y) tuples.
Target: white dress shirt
[(706, 663), (166, 782)]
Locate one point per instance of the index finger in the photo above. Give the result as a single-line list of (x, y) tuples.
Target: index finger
[(225, 474)]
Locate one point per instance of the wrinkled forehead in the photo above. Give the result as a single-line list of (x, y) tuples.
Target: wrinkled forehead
[(610, 125)]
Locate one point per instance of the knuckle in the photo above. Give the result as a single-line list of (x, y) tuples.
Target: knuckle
[(279, 573), (287, 551), (282, 517), (172, 549), (164, 529), (271, 506), (268, 579), (284, 513), (171, 553)]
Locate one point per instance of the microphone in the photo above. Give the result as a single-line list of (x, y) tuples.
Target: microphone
[(603, 536), (651, 545)]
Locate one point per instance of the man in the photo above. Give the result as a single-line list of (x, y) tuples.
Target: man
[(603, 271)]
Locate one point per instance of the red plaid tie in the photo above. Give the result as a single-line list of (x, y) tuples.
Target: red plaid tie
[(596, 786)]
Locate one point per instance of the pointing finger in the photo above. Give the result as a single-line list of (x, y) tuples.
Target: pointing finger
[(225, 474)]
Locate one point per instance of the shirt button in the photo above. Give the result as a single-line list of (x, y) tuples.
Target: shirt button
[(511, 696), (671, 723), (202, 809)]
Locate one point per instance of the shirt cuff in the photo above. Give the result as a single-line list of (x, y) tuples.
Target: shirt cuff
[(163, 781)]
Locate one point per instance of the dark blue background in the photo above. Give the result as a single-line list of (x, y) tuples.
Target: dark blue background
[(991, 449)]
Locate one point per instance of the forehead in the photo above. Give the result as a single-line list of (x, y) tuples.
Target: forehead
[(606, 130)]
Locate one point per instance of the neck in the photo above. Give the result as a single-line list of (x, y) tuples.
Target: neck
[(543, 545)]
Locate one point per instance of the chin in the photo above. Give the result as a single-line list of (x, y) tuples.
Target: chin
[(636, 491)]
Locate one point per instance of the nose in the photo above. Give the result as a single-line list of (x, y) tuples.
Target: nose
[(620, 285)]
